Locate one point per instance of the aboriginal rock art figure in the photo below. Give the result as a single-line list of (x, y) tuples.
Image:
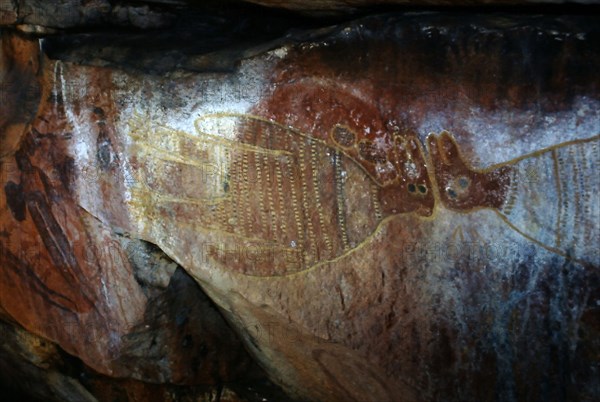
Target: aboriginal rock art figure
[(35, 197), (291, 200), (550, 196), (278, 192)]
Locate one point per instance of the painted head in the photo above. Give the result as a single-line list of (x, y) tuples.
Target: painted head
[(352, 122)]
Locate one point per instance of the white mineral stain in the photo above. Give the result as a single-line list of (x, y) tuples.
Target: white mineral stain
[(279, 52), (504, 135), (81, 146)]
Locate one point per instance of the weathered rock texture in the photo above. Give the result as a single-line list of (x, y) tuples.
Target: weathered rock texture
[(80, 287), (42, 17), (35, 369), (337, 6), (404, 207)]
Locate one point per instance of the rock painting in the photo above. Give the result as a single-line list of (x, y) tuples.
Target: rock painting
[(283, 193)]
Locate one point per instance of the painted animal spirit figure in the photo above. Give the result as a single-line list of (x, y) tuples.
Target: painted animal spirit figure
[(559, 209), (282, 194)]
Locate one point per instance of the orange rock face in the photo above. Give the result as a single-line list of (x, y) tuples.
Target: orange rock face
[(109, 300), (390, 210)]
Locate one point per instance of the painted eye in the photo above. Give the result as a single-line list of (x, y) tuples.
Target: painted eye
[(420, 189), (458, 187), (463, 182)]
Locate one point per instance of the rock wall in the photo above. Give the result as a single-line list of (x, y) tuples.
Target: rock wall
[(398, 207)]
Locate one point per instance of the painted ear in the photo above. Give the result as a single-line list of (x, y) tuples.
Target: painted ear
[(448, 149), (416, 154), (460, 186), (444, 153), (431, 143), (433, 150)]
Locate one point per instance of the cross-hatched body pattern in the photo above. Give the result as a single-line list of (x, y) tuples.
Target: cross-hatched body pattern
[(554, 198), (292, 201), (298, 201), (274, 190)]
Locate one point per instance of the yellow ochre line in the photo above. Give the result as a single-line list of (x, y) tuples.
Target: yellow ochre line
[(317, 196), (211, 230), (165, 155), (285, 128), (181, 200), (207, 139), (537, 153), (559, 196), (539, 243), (324, 262), (429, 166)]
